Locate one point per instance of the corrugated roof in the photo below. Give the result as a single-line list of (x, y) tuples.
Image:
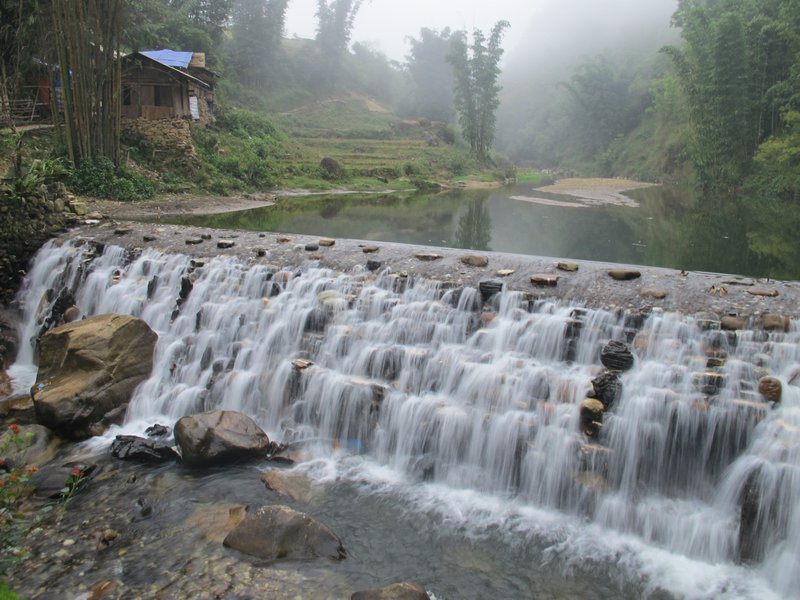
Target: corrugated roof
[(171, 58)]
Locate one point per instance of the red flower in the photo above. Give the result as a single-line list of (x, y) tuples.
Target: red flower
[(76, 473), (12, 478), (14, 428), (2, 483)]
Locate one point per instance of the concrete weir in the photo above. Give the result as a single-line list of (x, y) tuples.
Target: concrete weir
[(744, 300)]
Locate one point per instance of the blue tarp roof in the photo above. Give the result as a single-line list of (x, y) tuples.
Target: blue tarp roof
[(170, 58)]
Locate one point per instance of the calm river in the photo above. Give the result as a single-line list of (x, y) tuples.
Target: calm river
[(668, 228)]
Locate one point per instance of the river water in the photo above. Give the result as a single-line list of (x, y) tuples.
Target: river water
[(667, 227), (441, 429)]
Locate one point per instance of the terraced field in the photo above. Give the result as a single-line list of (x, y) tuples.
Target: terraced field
[(368, 141)]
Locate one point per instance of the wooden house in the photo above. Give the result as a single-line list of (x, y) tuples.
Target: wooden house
[(164, 84)]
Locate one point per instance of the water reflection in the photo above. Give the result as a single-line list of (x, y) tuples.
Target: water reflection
[(475, 226), (671, 227)]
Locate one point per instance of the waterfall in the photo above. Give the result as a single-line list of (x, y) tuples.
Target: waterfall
[(442, 385)]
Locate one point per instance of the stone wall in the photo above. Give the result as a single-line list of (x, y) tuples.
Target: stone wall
[(166, 139), (25, 224)]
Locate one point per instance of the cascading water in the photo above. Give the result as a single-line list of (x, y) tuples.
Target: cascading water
[(466, 393)]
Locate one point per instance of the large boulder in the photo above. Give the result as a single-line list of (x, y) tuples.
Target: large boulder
[(397, 591), (281, 533), (89, 369), (218, 437)]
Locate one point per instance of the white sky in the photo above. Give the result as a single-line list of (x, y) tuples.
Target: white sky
[(387, 23)]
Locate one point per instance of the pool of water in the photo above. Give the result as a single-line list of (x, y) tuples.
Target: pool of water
[(669, 227)]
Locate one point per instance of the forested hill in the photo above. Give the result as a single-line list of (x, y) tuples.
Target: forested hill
[(703, 87)]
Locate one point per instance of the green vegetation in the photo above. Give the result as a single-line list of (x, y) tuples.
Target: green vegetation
[(7, 594), (99, 177)]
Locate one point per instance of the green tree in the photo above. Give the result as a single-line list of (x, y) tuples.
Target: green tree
[(335, 20), (734, 62), (255, 46), (476, 68), (431, 74), (87, 44)]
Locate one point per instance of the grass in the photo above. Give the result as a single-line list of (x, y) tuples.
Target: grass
[(532, 176), (7, 594)]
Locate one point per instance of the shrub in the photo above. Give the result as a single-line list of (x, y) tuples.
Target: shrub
[(99, 177)]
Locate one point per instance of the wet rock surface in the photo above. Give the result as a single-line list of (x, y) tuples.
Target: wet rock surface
[(219, 436), (131, 447), (281, 533), (89, 369)]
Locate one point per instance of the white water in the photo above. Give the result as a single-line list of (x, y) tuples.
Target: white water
[(486, 412)]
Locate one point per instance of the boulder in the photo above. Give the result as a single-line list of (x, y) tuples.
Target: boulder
[(219, 436), (5, 385), (215, 521), (654, 293), (281, 533), (616, 356), (55, 481), (89, 369), (770, 388), (39, 445), (763, 292), (327, 242), (397, 591), (132, 447)]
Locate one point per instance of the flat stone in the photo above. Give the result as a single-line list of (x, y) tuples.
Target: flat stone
[(224, 244), (544, 280), (194, 241), (505, 272), (149, 238), (624, 274), (327, 242), (370, 249), (763, 292), (569, 267), (122, 231), (282, 239), (772, 322), (732, 323), (205, 236), (301, 364), (311, 247), (475, 261), (427, 256), (655, 293)]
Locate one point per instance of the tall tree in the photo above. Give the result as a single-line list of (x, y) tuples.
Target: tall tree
[(736, 56), (426, 63), (335, 20), (476, 68), (87, 45), (255, 44)]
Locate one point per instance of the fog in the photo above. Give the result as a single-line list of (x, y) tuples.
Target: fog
[(386, 24), (541, 30)]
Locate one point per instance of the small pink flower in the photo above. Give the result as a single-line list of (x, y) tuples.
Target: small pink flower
[(14, 428), (76, 473)]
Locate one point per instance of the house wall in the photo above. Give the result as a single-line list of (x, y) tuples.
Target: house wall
[(154, 94)]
